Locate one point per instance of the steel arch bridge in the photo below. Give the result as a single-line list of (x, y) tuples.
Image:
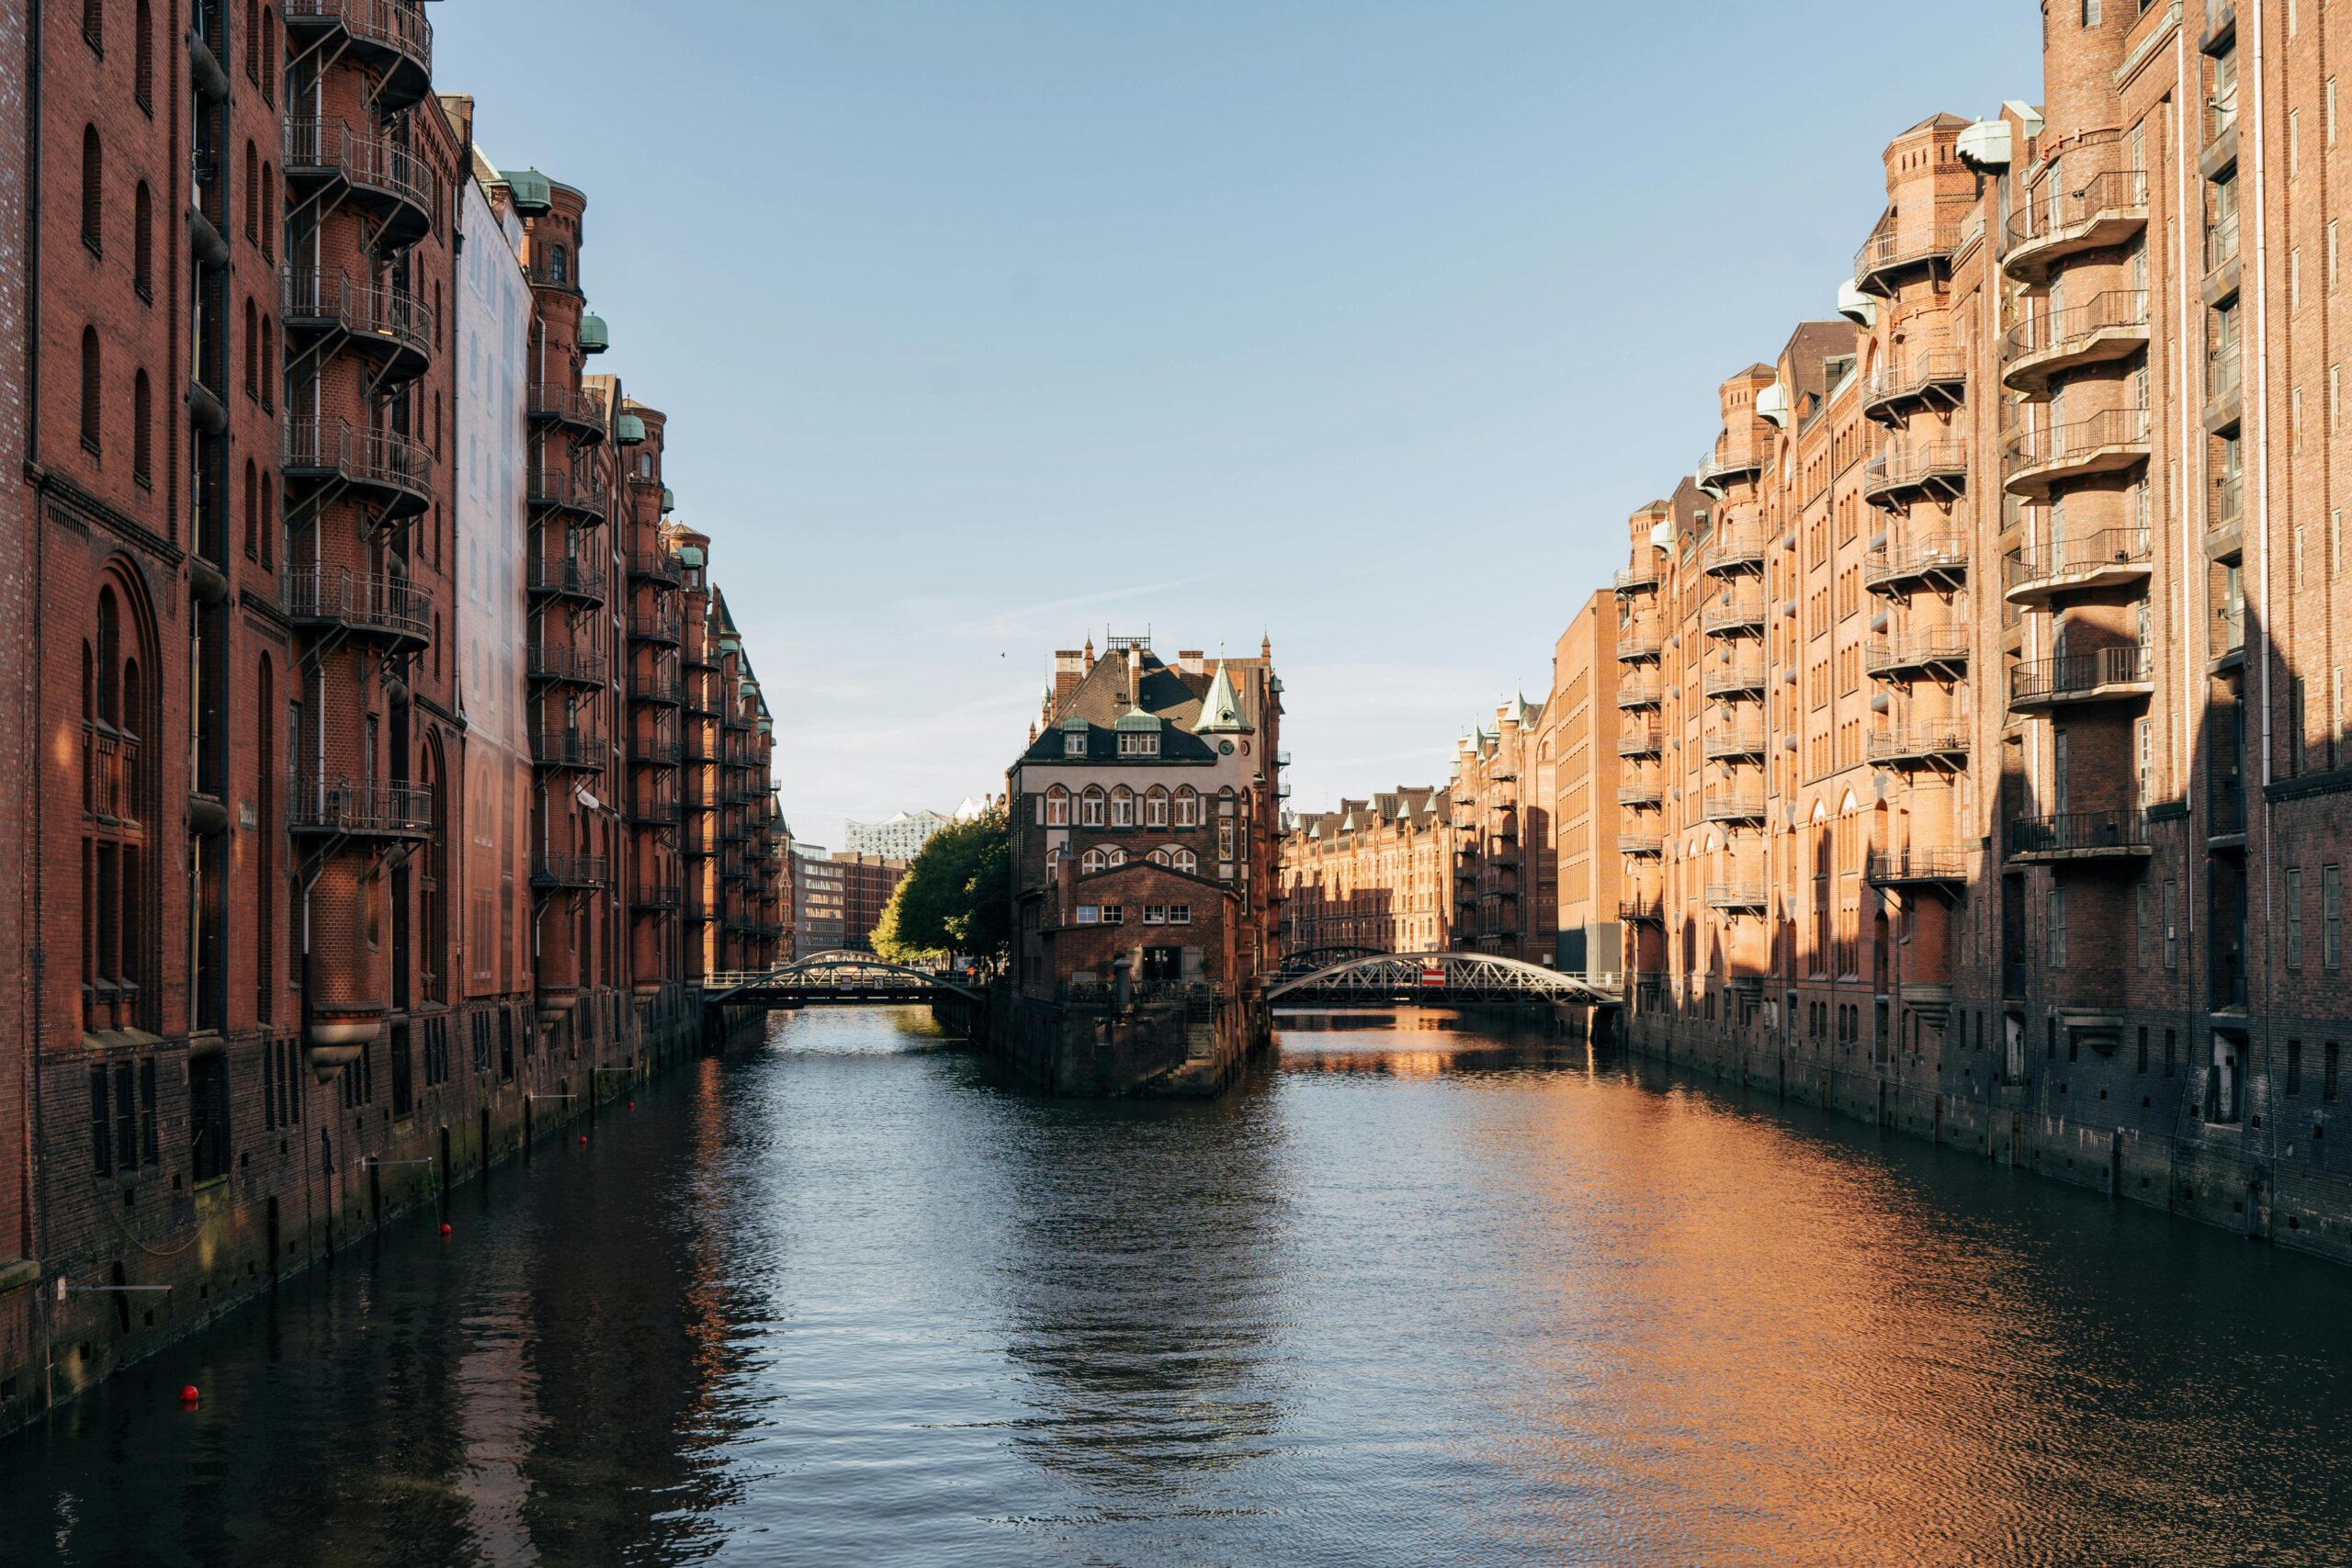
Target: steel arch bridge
[(1445, 979), (1305, 961), (835, 976)]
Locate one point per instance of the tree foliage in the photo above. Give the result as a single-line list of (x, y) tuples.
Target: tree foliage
[(956, 897)]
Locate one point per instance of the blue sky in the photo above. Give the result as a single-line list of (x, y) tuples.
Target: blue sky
[(984, 324)]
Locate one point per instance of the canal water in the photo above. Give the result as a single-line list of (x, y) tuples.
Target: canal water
[(1412, 1295)]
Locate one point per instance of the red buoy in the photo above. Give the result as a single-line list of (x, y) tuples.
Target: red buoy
[(444, 1227), (632, 1105), (584, 1140), (188, 1394)]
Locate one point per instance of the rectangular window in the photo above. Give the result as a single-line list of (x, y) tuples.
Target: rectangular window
[(149, 1146), (2056, 935), (101, 1126), (2331, 255), (2172, 925), (207, 1116), (1113, 915), (2140, 926), (1154, 914), (2327, 1069), (2327, 111), (2294, 141), (1179, 914), (126, 1117), (2295, 278), (1090, 914), (2331, 917), (2142, 1066), (2294, 897), (2294, 1069), (2295, 556)]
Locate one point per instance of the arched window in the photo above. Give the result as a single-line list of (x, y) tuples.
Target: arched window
[(1182, 859), (109, 658), (253, 40), (94, 193), (94, 23), (1155, 807), (142, 55), (252, 511), (1058, 807), (268, 209), (253, 353), (1161, 856), (268, 55), (253, 194), (269, 526), (143, 430), (90, 394), (1123, 807), (1090, 808), (558, 265), (1188, 807), (1115, 857), (268, 364), (1092, 861), (142, 241)]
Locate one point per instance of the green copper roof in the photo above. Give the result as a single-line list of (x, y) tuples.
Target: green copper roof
[(1074, 724), (532, 191), (1221, 709), (628, 430), (689, 554), (669, 500), (594, 336), (1135, 721)]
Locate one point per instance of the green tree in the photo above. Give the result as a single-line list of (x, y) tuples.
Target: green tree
[(956, 897)]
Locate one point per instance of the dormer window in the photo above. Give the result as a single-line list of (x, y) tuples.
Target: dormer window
[(1074, 744), (1138, 745)]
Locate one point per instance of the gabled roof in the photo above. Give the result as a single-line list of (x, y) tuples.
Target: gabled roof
[(1221, 709)]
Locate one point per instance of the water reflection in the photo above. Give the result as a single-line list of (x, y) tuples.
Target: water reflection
[(1415, 1294)]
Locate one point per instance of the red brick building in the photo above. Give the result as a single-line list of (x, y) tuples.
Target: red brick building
[(347, 802), (1143, 820)]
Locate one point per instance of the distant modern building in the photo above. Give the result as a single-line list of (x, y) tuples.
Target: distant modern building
[(837, 897), (900, 836)]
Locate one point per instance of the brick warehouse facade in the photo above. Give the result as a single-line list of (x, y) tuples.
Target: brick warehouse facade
[(1142, 822), (396, 771), (1983, 738)]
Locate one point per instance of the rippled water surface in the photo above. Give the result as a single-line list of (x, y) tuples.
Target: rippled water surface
[(1410, 1296)]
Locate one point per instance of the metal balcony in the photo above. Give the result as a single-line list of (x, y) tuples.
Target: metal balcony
[(391, 36), (1637, 578), (1901, 245), (1734, 551), (657, 897), (1736, 677), (392, 183), (578, 872), (1639, 844), (1735, 456), (654, 812), (580, 492), (1735, 896), (2102, 675), (656, 566), (393, 473), (2108, 441), (565, 579), (1641, 796), (2106, 558), (564, 665), (654, 627), (580, 409), (1639, 648), (359, 810), (1908, 472), (390, 325), (1919, 745), (654, 687), (1641, 743), (2087, 211), (1644, 912), (373, 605), (1727, 805), (1638, 692), (569, 749), (1732, 615), (1932, 378), (1915, 867), (2080, 835), (1726, 745), (2113, 325), (1941, 650), (1941, 563)]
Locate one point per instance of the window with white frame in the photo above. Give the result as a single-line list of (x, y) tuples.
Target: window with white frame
[(1138, 745), (1090, 808), (1074, 743), (1154, 914), (1092, 861), (1188, 807), (1113, 915), (1058, 807), (1155, 808), (1179, 914), (1123, 807), (1090, 914)]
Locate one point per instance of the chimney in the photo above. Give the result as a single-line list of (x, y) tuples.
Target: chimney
[(1192, 661), (1089, 654), (1135, 677), (1069, 668)]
